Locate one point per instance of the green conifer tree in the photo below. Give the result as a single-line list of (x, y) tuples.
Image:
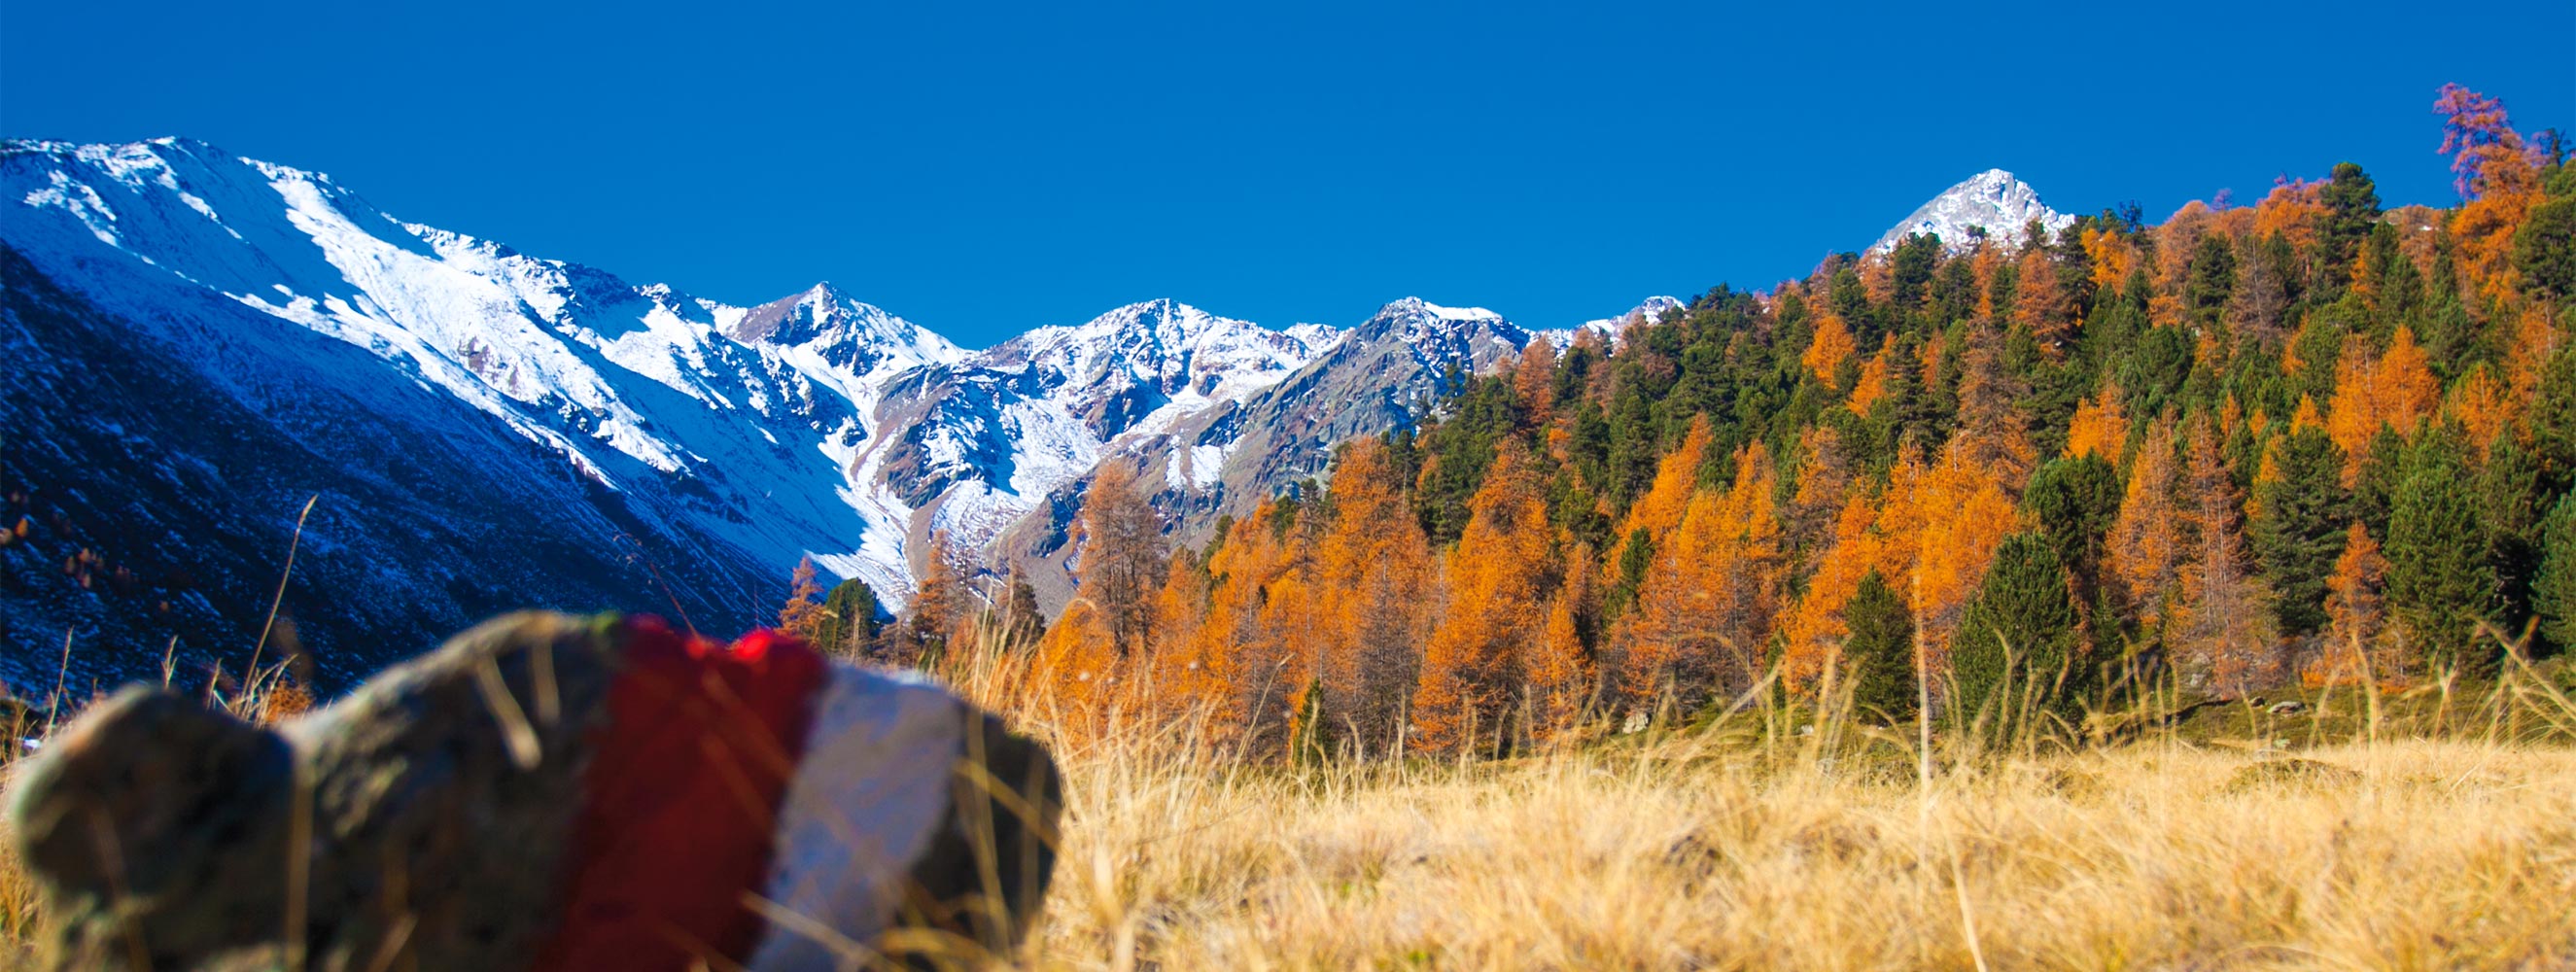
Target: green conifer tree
[(2352, 210), (2075, 501), (2301, 533), (848, 624), (2017, 638), (2511, 504), (1880, 651), (2440, 584), (2553, 595)]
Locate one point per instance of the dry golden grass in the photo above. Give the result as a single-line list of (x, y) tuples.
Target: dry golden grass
[(1676, 854), (2438, 833), (2433, 831)]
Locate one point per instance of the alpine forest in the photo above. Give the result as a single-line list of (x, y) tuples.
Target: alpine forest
[(2011, 481)]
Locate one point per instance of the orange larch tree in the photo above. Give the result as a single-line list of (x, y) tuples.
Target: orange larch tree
[(1828, 349), (1824, 476), (1081, 673), (1676, 478), (2483, 405), (1256, 600), (1872, 383), (2499, 177), (1991, 431), (2176, 240), (2356, 647), (2112, 255), (1367, 640), (1947, 522), (1122, 555), (1500, 576), (2042, 305), (2223, 633), (938, 612), (2394, 389), (1561, 683), (1811, 631), (2145, 553), (1184, 683), (1705, 612), (1532, 383), (801, 613), (2101, 426)]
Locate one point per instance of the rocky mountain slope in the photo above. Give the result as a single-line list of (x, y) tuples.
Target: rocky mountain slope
[(1227, 458)]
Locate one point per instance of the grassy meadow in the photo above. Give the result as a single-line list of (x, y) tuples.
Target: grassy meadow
[(2428, 829), (2433, 828)]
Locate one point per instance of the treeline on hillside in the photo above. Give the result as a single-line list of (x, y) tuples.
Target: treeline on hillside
[(2306, 440)]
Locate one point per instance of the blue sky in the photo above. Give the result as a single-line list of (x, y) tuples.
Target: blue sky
[(982, 169)]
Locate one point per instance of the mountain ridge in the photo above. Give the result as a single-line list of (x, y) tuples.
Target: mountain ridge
[(813, 424)]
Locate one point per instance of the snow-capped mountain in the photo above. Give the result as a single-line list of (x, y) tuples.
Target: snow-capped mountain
[(717, 400), (493, 429), (980, 442), (1225, 459), (1991, 204), (1648, 311)]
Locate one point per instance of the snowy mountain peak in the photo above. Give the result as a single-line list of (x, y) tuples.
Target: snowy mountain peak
[(1416, 307), (1992, 204), (1431, 333), (1647, 311), (1316, 337), (1162, 321), (1142, 339), (846, 331), (1416, 316)]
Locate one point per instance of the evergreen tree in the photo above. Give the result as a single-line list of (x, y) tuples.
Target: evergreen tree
[(1880, 651), (1913, 265), (1635, 556), (2545, 249), (847, 625), (1023, 620), (1633, 453), (1916, 413), (2439, 581), (2552, 420), (2300, 536), (2553, 593), (2352, 211), (2375, 483), (2213, 280), (2019, 634), (2076, 501), (2511, 504)]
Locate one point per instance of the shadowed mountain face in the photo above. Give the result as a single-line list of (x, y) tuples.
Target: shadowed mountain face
[(163, 459)]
